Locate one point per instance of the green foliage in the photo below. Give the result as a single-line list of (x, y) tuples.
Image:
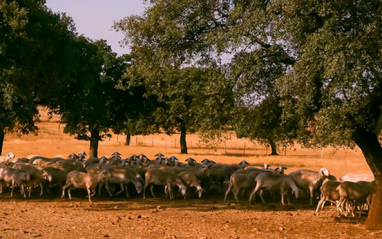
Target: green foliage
[(32, 66), (336, 81)]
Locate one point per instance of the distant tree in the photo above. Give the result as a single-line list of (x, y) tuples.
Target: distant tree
[(264, 124), (190, 97), (94, 104), (32, 66)]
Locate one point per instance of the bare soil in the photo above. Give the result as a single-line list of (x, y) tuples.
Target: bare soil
[(52, 217)]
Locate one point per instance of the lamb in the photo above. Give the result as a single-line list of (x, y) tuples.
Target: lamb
[(328, 193), (88, 181), (308, 179), (165, 178), (356, 192), (275, 182)]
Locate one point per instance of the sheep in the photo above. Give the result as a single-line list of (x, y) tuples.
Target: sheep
[(165, 178), (274, 182), (36, 176), (54, 175), (122, 176), (14, 177), (88, 181), (355, 177), (308, 179), (328, 193), (359, 192), (241, 181), (191, 180)]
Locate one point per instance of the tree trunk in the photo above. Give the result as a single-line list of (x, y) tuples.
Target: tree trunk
[(372, 150), (183, 143), (128, 137), (94, 139), (273, 147), (2, 134)]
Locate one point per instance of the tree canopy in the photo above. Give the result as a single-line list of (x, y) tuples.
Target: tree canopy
[(319, 62), (35, 53)]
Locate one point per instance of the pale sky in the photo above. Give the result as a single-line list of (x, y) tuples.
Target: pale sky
[(94, 18)]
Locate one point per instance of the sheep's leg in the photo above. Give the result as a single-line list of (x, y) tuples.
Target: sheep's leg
[(236, 193), (1, 188), (320, 204), (70, 195), (152, 190), (30, 190), (253, 193), (13, 186), (311, 196), (144, 190), (100, 188), (108, 189), (63, 191), (23, 190), (261, 195), (89, 194), (282, 196), (228, 191), (171, 193), (42, 189), (127, 191), (360, 210), (166, 191), (122, 188)]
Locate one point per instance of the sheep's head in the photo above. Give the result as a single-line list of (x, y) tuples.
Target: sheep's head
[(191, 161), (47, 176), (324, 172), (266, 166), (281, 169), (205, 161), (138, 186), (73, 156), (296, 193), (82, 156), (199, 190), (104, 174), (243, 164), (102, 160), (9, 156), (205, 169), (183, 190)]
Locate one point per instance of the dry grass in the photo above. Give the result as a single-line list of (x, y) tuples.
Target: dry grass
[(51, 141)]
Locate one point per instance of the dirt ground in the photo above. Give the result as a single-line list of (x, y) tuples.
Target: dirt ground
[(52, 217)]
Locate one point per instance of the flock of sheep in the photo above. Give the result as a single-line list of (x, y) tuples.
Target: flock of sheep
[(351, 192)]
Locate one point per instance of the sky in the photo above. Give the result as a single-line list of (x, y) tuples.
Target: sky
[(94, 18)]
